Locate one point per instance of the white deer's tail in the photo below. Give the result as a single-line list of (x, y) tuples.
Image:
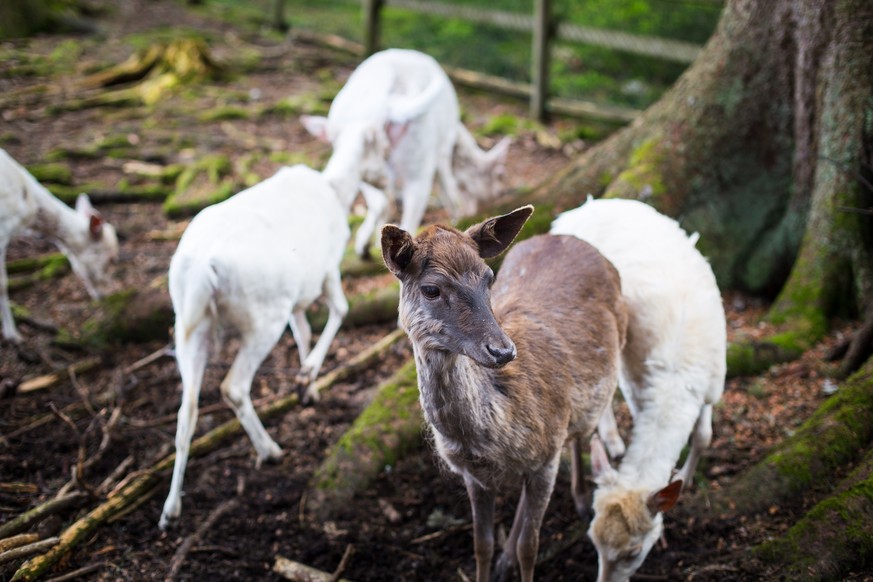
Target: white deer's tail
[(196, 296), (404, 108)]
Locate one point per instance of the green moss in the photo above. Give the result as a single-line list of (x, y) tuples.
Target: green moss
[(832, 539), (201, 184), (228, 112), (385, 431), (295, 105), (502, 124), (643, 177), (56, 173)]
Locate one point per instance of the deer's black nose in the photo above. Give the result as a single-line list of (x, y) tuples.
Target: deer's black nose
[(502, 355)]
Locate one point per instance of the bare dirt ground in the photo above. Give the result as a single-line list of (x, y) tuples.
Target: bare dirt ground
[(413, 523)]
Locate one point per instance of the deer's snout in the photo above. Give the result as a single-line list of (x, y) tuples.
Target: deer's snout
[(502, 354)]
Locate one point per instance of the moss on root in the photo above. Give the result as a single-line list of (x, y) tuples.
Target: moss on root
[(833, 538), (203, 183), (386, 430), (833, 436)]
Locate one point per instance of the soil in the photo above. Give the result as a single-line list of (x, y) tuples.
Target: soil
[(413, 523)]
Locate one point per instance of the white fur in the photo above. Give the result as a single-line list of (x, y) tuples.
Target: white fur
[(84, 237), (251, 265), (408, 95), (673, 366)]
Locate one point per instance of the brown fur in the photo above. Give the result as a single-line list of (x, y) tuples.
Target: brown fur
[(558, 301)]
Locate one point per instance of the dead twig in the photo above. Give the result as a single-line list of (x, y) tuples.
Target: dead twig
[(115, 475), (297, 572), (76, 574), (39, 513), (48, 380), (153, 357), (17, 541), (350, 549), (27, 550), (123, 497), (185, 546), (78, 472)]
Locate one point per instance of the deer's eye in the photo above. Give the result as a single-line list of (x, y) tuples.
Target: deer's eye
[(430, 291)]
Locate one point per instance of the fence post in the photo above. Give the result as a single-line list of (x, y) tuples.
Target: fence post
[(372, 25), (540, 57)]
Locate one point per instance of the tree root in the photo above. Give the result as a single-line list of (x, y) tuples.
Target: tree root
[(386, 430), (834, 435)]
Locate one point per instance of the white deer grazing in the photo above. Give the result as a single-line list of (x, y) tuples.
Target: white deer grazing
[(251, 265), (88, 241), (672, 372), (408, 95), (507, 376)]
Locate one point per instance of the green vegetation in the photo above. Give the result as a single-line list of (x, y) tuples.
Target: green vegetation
[(578, 71)]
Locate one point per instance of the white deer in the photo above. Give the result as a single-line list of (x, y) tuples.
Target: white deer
[(252, 265), (88, 241), (408, 95), (672, 372)]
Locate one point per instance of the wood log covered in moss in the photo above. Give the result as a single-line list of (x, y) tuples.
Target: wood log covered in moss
[(387, 429), (142, 315)]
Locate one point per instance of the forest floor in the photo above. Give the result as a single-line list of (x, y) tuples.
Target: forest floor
[(413, 523)]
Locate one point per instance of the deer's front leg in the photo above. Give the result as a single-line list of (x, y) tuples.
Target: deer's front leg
[(482, 504)]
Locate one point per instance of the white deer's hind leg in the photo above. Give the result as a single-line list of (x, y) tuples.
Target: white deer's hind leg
[(337, 309), (237, 385), (377, 213), (415, 196), (449, 193), (9, 331), (701, 437), (302, 333), (191, 354)]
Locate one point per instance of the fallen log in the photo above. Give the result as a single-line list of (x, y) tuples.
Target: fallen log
[(387, 429), (119, 500)]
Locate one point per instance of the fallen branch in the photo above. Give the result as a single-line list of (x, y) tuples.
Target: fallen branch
[(188, 543), (297, 572), (146, 482), (78, 573), (48, 380), (17, 541), (27, 550), (38, 513)]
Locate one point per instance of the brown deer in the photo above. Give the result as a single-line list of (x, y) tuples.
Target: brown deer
[(508, 375)]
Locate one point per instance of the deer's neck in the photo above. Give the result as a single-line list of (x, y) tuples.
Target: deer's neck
[(54, 219), (343, 170), (455, 394)]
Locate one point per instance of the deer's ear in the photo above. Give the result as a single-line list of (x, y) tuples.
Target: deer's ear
[(494, 235), (397, 249), (95, 226), (316, 125), (665, 498)]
